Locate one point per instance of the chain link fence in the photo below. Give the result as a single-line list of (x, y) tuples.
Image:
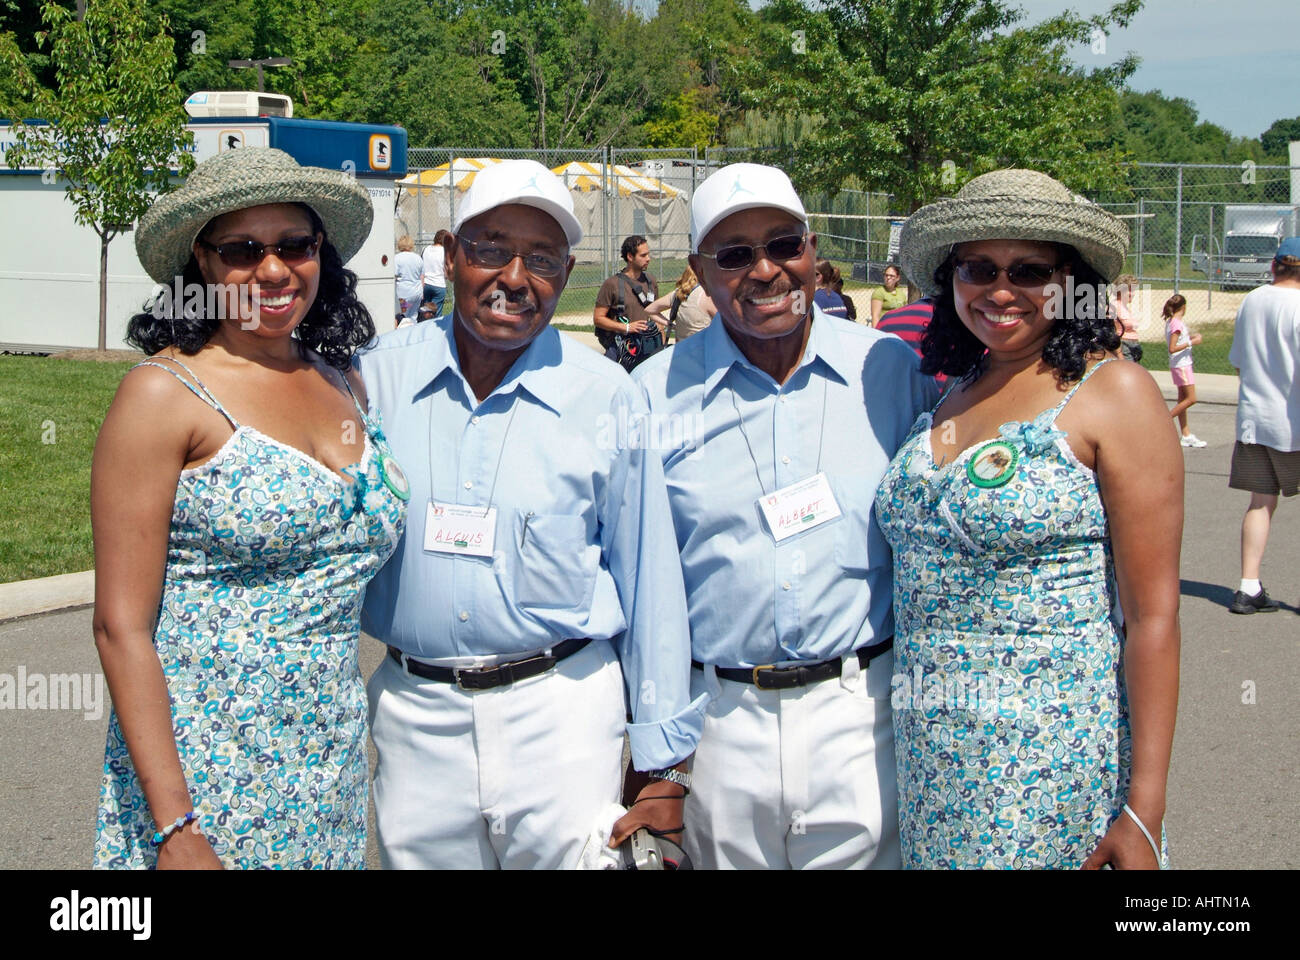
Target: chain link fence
[(1206, 232)]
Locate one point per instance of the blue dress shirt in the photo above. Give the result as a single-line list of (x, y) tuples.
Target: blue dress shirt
[(584, 540), (821, 593)]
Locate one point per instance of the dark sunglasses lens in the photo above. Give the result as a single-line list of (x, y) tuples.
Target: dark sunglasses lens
[(785, 248), (733, 258), (245, 253), (540, 265), (977, 271), (297, 249), (1031, 274)]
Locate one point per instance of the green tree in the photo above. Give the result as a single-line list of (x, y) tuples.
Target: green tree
[(1276, 140), (918, 95), (430, 67), (115, 123), (683, 121)]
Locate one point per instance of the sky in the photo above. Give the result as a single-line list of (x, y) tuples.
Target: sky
[(1238, 61)]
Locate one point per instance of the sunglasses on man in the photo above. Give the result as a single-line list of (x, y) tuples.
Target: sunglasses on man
[(741, 255), (484, 253), (981, 273), (250, 253)]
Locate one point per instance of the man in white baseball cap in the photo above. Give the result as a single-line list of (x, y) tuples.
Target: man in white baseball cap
[(788, 578), (536, 596)]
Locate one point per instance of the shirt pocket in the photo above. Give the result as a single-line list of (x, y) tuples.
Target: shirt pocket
[(855, 528), (556, 569)]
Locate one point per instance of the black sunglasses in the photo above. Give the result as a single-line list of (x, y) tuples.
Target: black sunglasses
[(249, 253), (742, 255), (494, 256), (981, 273)]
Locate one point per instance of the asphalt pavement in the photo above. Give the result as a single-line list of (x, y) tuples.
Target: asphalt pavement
[(1232, 785)]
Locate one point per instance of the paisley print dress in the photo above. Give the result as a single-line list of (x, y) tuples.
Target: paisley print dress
[(1010, 717), (268, 558)]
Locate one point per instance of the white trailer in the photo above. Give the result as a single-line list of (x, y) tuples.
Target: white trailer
[(49, 265)]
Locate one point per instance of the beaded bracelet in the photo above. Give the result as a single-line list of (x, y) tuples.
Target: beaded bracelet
[(162, 835)]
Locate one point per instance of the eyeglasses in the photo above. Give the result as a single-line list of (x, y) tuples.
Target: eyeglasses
[(742, 255), (494, 256), (249, 253), (982, 273)]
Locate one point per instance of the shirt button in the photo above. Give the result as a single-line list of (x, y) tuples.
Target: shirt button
[(473, 419), (785, 459), (464, 615), (786, 585), (783, 399), (469, 485)]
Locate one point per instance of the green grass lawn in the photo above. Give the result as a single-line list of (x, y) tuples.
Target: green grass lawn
[(1210, 356), (50, 412)]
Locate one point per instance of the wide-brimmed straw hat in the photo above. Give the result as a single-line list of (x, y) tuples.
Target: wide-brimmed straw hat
[(1011, 205), (249, 177)]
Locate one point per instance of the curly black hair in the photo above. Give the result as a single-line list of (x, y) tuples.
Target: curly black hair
[(1085, 328), (335, 326)]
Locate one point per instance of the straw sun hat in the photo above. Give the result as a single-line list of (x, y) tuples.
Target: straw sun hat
[(1011, 205), (249, 177)]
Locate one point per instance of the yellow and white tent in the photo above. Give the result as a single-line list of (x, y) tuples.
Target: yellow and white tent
[(425, 200), (459, 173), (582, 177)]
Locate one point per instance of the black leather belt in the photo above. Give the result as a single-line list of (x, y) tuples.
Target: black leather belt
[(768, 677), (485, 678)]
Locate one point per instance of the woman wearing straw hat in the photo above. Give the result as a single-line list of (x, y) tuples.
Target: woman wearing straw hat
[(1043, 494), (241, 501)]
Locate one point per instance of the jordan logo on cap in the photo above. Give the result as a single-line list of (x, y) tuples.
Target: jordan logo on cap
[(737, 187)]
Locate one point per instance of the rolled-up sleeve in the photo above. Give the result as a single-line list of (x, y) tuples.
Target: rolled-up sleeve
[(640, 549)]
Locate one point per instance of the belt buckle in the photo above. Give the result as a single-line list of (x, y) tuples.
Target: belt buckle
[(479, 674), (754, 674)]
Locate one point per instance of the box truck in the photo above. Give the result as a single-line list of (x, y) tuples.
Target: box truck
[(1251, 235), (49, 264)]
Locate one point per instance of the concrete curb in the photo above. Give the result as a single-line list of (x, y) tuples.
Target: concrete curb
[(1210, 387), (26, 598)]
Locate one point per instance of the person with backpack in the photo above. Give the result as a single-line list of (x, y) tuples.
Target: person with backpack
[(626, 331)]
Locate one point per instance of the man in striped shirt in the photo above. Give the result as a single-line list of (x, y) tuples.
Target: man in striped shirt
[(909, 324)]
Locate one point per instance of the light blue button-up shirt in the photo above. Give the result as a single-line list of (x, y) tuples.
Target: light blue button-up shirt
[(584, 541), (851, 401)]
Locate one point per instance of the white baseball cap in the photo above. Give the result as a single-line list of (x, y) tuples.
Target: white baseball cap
[(740, 186), (520, 181)]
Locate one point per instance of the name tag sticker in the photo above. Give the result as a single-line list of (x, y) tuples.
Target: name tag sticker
[(451, 528), (799, 507)]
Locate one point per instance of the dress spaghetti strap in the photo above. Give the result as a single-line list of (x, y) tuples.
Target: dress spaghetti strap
[(197, 387), (1074, 389), (355, 402)]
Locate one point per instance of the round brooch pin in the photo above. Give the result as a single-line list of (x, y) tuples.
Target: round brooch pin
[(993, 464), (394, 479)]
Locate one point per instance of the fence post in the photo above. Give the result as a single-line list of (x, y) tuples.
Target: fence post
[(1209, 267), (1178, 233), (1142, 232), (451, 180)]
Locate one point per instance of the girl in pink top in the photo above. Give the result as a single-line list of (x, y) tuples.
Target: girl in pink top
[(1180, 343)]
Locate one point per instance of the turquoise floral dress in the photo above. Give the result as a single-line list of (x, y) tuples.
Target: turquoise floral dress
[(1010, 718), (268, 558)]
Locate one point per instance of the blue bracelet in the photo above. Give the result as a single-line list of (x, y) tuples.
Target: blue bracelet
[(171, 828)]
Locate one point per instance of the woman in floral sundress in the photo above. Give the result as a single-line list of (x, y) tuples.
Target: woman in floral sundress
[(1042, 497), (241, 501)]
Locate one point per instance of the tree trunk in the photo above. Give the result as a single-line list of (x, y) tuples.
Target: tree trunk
[(103, 292)]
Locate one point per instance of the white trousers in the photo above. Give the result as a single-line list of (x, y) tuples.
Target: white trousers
[(512, 777), (800, 778)]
